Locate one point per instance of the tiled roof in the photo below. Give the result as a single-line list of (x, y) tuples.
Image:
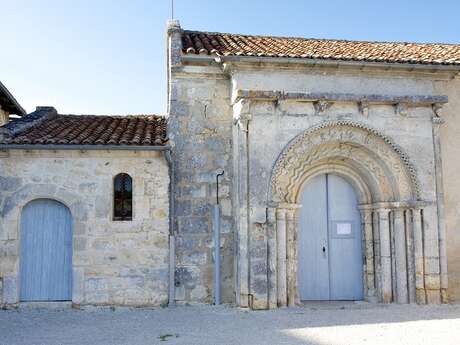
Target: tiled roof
[(90, 130), (208, 43)]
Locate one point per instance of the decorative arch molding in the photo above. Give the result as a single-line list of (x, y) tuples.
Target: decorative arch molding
[(350, 141)]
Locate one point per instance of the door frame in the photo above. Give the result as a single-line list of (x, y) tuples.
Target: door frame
[(19, 272), (357, 226)]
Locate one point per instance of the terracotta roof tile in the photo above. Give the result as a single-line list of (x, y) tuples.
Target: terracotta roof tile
[(94, 130), (208, 43)]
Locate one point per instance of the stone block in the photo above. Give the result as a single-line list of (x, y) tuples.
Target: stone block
[(226, 207), (202, 208), (79, 244), (9, 183), (199, 293), (183, 208), (102, 207), (78, 283), (180, 293), (193, 225), (194, 191), (197, 257), (10, 290), (187, 276)]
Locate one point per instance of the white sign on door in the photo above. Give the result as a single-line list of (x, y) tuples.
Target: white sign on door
[(343, 228)]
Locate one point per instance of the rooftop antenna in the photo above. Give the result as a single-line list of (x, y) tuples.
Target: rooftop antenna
[(172, 9)]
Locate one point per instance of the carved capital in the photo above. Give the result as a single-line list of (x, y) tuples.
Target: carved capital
[(363, 107), (401, 109), (437, 112), (437, 109), (242, 111), (437, 120), (321, 106)]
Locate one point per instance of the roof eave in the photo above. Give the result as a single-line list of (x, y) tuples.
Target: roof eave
[(84, 147), (19, 110), (320, 62)]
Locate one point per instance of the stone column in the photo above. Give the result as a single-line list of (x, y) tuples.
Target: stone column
[(241, 202), (366, 219), (431, 255), (281, 263), (420, 296), (272, 258), (377, 266), (291, 253), (410, 255), (437, 122), (400, 257), (385, 255)]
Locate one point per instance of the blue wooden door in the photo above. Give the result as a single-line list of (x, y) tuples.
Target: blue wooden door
[(330, 248), (46, 252)]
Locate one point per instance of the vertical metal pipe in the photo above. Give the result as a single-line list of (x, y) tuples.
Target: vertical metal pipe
[(172, 243), (216, 230)]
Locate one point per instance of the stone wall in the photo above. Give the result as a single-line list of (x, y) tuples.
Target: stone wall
[(114, 262), (266, 125), (200, 131)]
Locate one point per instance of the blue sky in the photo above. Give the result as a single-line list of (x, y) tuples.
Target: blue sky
[(108, 57)]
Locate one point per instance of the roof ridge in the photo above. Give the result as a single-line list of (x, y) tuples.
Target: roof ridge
[(320, 39)]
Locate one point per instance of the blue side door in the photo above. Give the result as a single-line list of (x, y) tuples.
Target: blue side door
[(46, 252)]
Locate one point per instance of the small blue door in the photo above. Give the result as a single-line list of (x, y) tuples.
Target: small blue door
[(46, 252), (330, 250)]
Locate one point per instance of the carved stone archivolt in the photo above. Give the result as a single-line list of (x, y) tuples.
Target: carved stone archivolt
[(371, 154)]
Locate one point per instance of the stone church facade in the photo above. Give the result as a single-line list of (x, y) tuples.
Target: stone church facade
[(275, 114)]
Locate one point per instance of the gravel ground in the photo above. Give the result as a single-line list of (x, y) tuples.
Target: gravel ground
[(316, 324)]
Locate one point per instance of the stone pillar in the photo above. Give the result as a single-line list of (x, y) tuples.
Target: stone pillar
[(400, 257), (437, 122), (431, 255), (366, 219), (241, 199), (420, 296), (385, 255), (377, 266), (272, 258), (410, 255), (174, 53), (281, 264), (291, 253)]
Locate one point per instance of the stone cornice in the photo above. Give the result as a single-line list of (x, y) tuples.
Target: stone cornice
[(413, 100)]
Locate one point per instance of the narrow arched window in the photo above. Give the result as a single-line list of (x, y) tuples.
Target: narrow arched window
[(122, 197)]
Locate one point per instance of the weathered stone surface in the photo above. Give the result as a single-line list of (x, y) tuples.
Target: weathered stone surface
[(103, 249), (9, 183), (10, 290)]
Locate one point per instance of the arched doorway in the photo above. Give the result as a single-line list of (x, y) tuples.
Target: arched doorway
[(330, 265), (46, 252), (398, 227)]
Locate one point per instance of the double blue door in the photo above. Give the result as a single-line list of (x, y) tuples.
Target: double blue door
[(46, 252), (330, 248)]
